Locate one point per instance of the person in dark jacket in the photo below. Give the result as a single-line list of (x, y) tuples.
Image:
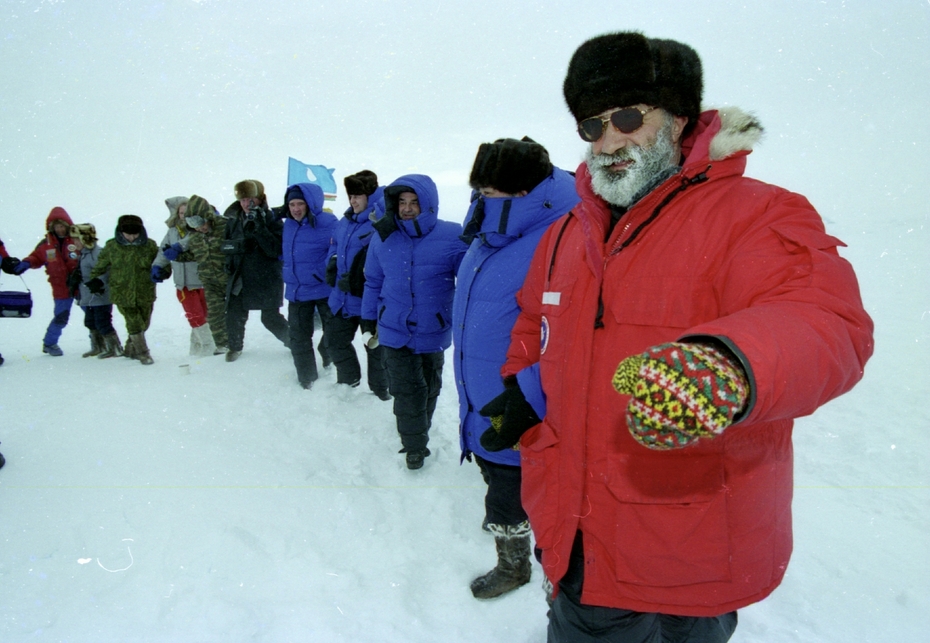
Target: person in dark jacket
[(60, 255), (346, 273), (308, 232), (127, 260), (409, 285), (519, 195), (98, 309), (253, 249)]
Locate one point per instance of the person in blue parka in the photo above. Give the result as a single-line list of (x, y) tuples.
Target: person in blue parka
[(518, 195), (308, 232), (346, 274), (409, 285)]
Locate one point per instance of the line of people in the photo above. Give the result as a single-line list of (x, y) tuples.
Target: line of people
[(632, 342)]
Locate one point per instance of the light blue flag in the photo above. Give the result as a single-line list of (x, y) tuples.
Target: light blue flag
[(298, 172)]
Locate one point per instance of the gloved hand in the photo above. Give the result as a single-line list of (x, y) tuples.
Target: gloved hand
[(343, 283), (159, 274), (96, 286), (74, 282), (681, 392), (369, 326), (8, 265), (331, 271), (172, 252), (511, 416), (21, 267)]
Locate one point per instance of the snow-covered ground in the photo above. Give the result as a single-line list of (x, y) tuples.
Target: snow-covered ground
[(228, 504)]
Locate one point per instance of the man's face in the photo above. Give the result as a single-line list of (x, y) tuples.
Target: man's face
[(358, 202), (298, 208), (203, 229), (130, 237), (408, 206), (249, 202), (60, 229), (623, 165)]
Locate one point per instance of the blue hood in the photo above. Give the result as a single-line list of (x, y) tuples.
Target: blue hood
[(313, 195), (428, 196)]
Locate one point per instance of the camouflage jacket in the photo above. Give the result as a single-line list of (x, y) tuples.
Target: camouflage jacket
[(129, 266), (206, 247)]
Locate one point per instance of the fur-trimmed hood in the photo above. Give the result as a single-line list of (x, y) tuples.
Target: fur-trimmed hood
[(720, 134), (174, 204)]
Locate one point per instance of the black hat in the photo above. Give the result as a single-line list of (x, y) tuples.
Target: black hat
[(626, 68), (293, 192), (510, 165), (129, 224), (364, 182)]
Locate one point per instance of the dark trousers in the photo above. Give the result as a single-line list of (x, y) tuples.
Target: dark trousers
[(137, 317), (300, 321), (415, 380), (348, 370), (502, 504), (99, 318), (572, 622), (237, 315)]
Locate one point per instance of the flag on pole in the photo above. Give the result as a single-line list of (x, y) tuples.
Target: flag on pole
[(299, 172)]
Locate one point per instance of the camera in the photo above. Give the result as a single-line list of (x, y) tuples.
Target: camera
[(254, 212)]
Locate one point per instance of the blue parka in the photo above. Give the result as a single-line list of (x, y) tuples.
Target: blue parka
[(410, 271), (504, 233), (351, 236), (305, 248)]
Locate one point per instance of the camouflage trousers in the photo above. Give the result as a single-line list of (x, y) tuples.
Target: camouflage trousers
[(215, 294), (137, 317)]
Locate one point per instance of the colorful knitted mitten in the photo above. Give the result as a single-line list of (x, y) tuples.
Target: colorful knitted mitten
[(681, 392)]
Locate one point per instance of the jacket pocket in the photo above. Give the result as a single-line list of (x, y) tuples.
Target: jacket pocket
[(670, 521), (539, 491)]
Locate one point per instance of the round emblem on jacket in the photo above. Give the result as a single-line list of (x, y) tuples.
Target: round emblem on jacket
[(543, 335), (72, 251)]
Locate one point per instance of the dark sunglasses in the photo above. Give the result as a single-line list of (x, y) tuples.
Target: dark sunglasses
[(625, 119)]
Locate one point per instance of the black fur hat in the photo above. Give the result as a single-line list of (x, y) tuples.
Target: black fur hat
[(626, 68), (130, 224), (364, 182), (510, 165)]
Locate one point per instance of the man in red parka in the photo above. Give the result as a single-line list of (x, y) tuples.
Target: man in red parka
[(61, 255), (672, 326)]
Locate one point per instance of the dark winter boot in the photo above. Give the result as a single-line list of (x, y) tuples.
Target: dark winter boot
[(96, 344), (129, 350), (111, 346), (513, 562), (141, 348)]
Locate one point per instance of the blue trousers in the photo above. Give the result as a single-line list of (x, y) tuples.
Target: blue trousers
[(59, 321)]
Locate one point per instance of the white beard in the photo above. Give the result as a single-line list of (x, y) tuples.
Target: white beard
[(627, 186)]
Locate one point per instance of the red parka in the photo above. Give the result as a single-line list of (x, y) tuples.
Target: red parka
[(59, 256), (703, 530)]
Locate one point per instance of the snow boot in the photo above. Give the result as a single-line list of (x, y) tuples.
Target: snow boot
[(202, 343), (112, 346), (513, 561), (96, 344), (52, 349), (129, 350), (141, 348)]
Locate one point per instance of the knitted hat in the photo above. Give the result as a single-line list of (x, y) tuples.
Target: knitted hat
[(364, 182), (626, 68), (294, 192), (129, 224), (510, 165), (249, 189)]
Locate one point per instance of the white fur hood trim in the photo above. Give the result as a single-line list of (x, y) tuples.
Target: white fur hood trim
[(739, 131)]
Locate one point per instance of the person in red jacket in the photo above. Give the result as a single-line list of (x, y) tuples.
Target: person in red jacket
[(672, 325), (60, 255)]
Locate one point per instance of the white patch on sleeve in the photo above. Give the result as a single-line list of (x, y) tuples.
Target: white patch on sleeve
[(552, 298)]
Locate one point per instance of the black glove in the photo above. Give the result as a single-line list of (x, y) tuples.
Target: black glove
[(96, 286), (343, 283), (331, 272), (511, 416), (8, 265), (74, 282), (369, 326)]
